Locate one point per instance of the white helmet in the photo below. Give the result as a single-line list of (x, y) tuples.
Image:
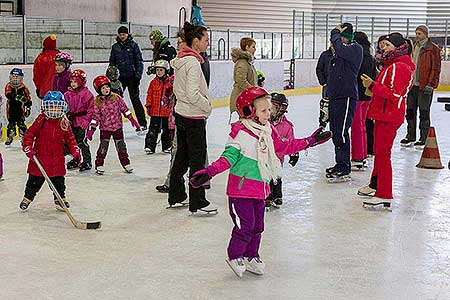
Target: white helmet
[(162, 64)]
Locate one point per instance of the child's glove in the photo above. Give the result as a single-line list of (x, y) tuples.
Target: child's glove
[(324, 112), (200, 178), (134, 123), (90, 134), (318, 137), (77, 157), (29, 152), (293, 159), (27, 112)]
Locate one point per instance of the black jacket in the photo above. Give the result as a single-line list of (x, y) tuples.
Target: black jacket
[(205, 67), (127, 57), (165, 51), (322, 66), (368, 67)]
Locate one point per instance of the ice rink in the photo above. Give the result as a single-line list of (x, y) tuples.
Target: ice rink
[(320, 245)]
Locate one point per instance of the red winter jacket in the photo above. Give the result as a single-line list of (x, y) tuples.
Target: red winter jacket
[(44, 70), (47, 138), (390, 90), (158, 94)]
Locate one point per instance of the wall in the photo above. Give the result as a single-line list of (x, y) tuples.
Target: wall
[(160, 12)]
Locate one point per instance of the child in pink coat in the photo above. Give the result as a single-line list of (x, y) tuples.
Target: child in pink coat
[(81, 108), (108, 110), (285, 129)]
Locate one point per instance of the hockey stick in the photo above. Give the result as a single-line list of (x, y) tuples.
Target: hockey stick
[(75, 222)]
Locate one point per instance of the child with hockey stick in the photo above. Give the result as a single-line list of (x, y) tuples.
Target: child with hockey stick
[(158, 108), (108, 110), (252, 155), (61, 80), (18, 105), (45, 139), (285, 130), (81, 108)]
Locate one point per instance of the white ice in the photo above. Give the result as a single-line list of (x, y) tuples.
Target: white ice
[(322, 244)]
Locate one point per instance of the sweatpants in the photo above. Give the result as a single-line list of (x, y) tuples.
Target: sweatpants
[(417, 99), (248, 220), (359, 134), (381, 180), (119, 142), (34, 184), (341, 117), (190, 154)]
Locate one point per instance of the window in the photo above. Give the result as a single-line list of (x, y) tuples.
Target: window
[(6, 8)]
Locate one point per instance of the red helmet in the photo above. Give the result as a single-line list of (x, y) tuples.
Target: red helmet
[(79, 76), (99, 81), (244, 102)]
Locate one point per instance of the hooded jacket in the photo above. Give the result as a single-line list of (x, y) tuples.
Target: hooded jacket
[(81, 106), (44, 71), (190, 86), (390, 90), (244, 74), (158, 95), (127, 57)]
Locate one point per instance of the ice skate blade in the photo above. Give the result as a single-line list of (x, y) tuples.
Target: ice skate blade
[(178, 205), (419, 148), (406, 145), (385, 205), (338, 179), (235, 273), (370, 195), (204, 212)]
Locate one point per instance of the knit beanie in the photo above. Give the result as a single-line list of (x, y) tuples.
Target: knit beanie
[(395, 38), (122, 29), (423, 28), (49, 42), (348, 32)]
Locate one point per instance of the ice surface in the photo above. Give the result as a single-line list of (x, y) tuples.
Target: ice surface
[(320, 245)]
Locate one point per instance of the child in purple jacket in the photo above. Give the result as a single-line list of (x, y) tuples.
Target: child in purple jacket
[(252, 155), (81, 108), (108, 110), (61, 80)]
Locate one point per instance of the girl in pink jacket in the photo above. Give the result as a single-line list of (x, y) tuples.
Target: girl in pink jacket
[(285, 130), (252, 155), (108, 110), (81, 108)]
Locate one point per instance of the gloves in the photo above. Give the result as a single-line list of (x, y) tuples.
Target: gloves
[(151, 70), (27, 112), (37, 93), (90, 133), (77, 156), (318, 137), (200, 178), (148, 108), (29, 152), (324, 116), (21, 98), (134, 123), (293, 159), (428, 90)]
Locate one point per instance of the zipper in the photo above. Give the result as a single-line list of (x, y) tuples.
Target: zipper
[(384, 107), (241, 183)]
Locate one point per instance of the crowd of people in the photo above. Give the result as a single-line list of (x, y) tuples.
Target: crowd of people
[(368, 94)]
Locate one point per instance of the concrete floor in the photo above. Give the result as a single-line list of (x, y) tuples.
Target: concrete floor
[(320, 245)]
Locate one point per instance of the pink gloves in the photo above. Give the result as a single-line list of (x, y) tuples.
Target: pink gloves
[(29, 152), (90, 134), (134, 123)]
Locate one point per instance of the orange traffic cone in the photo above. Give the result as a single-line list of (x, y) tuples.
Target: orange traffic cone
[(430, 156)]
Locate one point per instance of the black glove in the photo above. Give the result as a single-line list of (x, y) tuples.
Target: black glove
[(324, 115), (27, 112), (37, 92), (151, 70), (293, 159)]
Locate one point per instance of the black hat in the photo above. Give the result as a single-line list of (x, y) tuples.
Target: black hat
[(122, 29), (395, 38), (348, 32)]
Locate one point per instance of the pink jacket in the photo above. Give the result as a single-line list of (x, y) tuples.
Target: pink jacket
[(286, 132), (108, 112), (81, 106), (244, 179)]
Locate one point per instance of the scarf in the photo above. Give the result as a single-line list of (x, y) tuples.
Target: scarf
[(389, 57), (268, 163)]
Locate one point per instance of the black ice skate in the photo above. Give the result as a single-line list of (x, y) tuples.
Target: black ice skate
[(330, 170), (59, 207), (273, 203), (149, 151), (359, 165), (85, 166), (338, 177), (419, 145), (376, 202), (72, 165), (162, 188), (25, 203), (9, 140), (100, 170), (406, 142)]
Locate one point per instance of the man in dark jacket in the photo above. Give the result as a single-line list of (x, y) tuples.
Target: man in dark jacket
[(343, 92), (426, 56), (322, 75), (162, 49), (127, 57)]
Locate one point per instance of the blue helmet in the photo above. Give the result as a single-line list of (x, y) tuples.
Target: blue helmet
[(16, 77), (17, 72), (54, 105)]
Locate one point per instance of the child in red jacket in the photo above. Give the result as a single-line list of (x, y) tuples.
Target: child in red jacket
[(45, 139), (158, 108)]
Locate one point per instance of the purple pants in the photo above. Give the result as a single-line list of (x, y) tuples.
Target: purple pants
[(248, 219), (121, 147), (1, 164)]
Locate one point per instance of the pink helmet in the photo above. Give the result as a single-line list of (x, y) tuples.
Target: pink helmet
[(64, 57), (244, 102), (79, 76)]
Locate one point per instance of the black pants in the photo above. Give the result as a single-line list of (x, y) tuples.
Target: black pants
[(276, 190), (80, 134), (16, 118), (35, 183), (417, 99), (341, 112), (191, 154), (156, 124), (369, 129), (133, 89)]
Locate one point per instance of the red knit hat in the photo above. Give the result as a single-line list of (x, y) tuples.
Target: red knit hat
[(50, 42)]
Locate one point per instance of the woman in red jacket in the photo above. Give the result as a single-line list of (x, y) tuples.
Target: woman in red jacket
[(45, 139), (44, 67), (387, 109)]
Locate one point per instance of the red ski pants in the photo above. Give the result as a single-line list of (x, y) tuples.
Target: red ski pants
[(359, 134)]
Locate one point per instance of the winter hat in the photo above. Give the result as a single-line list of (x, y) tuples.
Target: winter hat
[(49, 42), (395, 38), (156, 35), (361, 38), (348, 32), (122, 29), (423, 28)]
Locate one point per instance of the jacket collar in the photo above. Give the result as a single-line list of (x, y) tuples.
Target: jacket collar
[(188, 51)]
